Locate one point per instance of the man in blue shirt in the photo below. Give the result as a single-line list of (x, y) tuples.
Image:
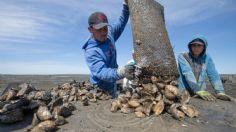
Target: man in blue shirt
[(100, 51), (194, 66)]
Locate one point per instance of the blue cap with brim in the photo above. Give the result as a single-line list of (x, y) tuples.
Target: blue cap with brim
[(98, 20)]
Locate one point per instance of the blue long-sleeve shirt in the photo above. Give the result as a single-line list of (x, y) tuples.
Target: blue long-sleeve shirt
[(101, 56)]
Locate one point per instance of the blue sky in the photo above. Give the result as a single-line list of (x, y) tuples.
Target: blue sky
[(46, 36)]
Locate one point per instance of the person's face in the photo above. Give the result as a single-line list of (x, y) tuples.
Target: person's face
[(99, 34), (197, 49)]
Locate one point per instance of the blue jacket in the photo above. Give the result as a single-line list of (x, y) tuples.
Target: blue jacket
[(101, 56), (187, 78)]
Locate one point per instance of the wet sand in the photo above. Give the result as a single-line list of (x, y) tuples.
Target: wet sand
[(214, 116)]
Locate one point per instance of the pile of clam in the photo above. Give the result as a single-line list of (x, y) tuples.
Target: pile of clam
[(155, 95), (50, 108)]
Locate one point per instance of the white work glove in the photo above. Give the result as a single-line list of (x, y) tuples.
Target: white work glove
[(127, 71)]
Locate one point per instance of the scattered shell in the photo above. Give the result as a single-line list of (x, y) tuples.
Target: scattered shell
[(174, 90), (43, 113), (158, 108), (147, 107), (134, 103), (154, 79), (139, 114), (11, 95), (160, 85), (46, 126), (189, 110), (3, 97), (35, 120), (177, 114), (25, 89), (122, 99), (115, 105), (139, 109), (60, 120), (126, 110), (43, 95), (174, 83)]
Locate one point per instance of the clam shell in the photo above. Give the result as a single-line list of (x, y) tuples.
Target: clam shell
[(147, 107), (177, 114), (160, 85), (158, 108), (154, 89), (94, 100), (85, 100), (71, 98), (133, 103), (158, 97), (82, 92), (63, 92), (167, 101), (135, 96), (139, 109), (43, 113), (55, 102), (11, 95), (46, 126), (189, 110), (3, 97), (115, 105), (73, 91), (169, 95), (154, 79), (147, 87), (35, 120), (25, 89), (172, 89), (139, 114), (126, 110), (128, 94), (60, 120), (31, 95), (66, 86), (123, 99), (174, 83), (43, 95)]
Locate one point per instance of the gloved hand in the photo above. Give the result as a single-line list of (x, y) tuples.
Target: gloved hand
[(223, 96), (125, 2), (206, 95), (127, 71)]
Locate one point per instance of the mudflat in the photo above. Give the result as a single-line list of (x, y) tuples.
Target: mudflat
[(215, 116)]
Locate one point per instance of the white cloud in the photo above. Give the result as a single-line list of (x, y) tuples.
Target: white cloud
[(181, 12)]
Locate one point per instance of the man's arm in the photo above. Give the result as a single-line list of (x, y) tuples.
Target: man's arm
[(98, 67), (118, 28)]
